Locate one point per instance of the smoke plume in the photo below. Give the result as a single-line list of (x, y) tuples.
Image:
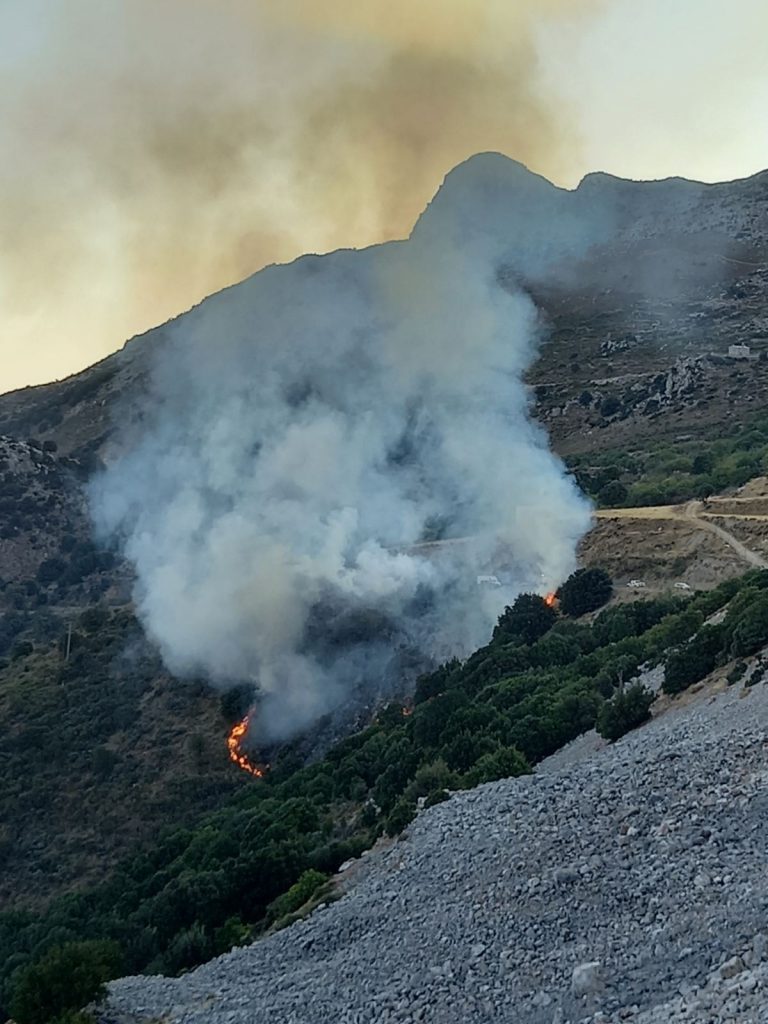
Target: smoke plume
[(309, 430), (158, 150)]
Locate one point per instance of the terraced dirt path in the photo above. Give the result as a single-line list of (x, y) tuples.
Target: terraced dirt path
[(701, 517)]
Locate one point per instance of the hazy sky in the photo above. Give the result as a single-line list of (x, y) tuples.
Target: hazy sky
[(153, 151)]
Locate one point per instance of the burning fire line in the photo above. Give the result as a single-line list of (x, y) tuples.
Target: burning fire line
[(551, 600), (236, 753)]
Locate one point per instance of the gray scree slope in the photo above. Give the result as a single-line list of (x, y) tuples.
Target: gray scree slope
[(630, 885)]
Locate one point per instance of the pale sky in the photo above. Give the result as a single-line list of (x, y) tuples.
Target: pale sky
[(153, 151)]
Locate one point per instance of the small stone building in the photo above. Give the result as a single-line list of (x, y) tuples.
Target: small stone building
[(738, 352)]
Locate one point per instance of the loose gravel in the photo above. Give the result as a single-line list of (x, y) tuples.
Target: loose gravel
[(629, 884)]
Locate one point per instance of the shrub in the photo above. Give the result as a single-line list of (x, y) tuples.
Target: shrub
[(624, 712), (694, 660), (505, 763), (22, 649), (750, 630), (401, 815), (93, 619), (50, 570), (614, 493), (66, 978), (437, 796), (529, 618), (736, 672), (584, 591), (188, 948), (610, 405), (299, 893)]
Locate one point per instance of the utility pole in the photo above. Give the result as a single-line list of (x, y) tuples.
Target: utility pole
[(69, 642)]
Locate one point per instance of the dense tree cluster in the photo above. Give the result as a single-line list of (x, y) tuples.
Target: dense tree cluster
[(585, 591), (743, 631), (667, 472), (628, 709), (541, 681)]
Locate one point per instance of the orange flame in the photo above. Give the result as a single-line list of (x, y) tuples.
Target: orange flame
[(407, 711), (551, 600), (236, 753)]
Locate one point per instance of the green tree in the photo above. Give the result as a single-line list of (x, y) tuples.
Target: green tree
[(695, 659), (505, 763), (401, 815), (612, 494), (529, 618), (584, 591), (299, 893), (750, 632), (66, 978), (625, 711)]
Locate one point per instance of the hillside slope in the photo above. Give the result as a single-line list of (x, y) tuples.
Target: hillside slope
[(630, 277), (645, 861)]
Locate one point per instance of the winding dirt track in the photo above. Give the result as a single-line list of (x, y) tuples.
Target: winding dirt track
[(699, 516)]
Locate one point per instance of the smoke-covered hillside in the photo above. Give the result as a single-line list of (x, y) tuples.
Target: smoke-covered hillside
[(305, 434), (601, 297)]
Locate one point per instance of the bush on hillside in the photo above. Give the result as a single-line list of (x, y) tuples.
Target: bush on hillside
[(505, 763), (400, 817), (624, 712), (614, 493), (299, 893), (66, 978), (528, 619), (693, 661), (750, 631), (585, 591)]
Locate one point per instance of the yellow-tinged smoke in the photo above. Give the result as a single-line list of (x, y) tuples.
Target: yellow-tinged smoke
[(161, 149)]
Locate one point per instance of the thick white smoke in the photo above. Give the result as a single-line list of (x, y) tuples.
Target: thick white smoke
[(308, 429)]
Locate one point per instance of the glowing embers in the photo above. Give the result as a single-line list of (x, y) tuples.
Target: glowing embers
[(237, 754)]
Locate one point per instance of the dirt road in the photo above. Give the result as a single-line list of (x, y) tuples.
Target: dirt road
[(696, 513)]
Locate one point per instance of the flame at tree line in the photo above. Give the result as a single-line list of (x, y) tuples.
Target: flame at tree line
[(240, 731), (237, 754)]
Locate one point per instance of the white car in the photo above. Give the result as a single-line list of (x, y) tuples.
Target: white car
[(681, 586), (636, 584)]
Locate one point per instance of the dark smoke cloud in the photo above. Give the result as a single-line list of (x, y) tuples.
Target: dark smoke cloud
[(157, 151)]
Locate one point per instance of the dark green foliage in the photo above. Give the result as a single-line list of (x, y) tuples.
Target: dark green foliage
[(625, 711), (22, 649), (613, 494), (585, 591), (400, 817), (67, 977), (299, 893), (437, 796), (528, 619), (736, 672), (695, 659), (50, 570), (93, 619), (750, 629), (610, 405), (194, 891), (504, 763)]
